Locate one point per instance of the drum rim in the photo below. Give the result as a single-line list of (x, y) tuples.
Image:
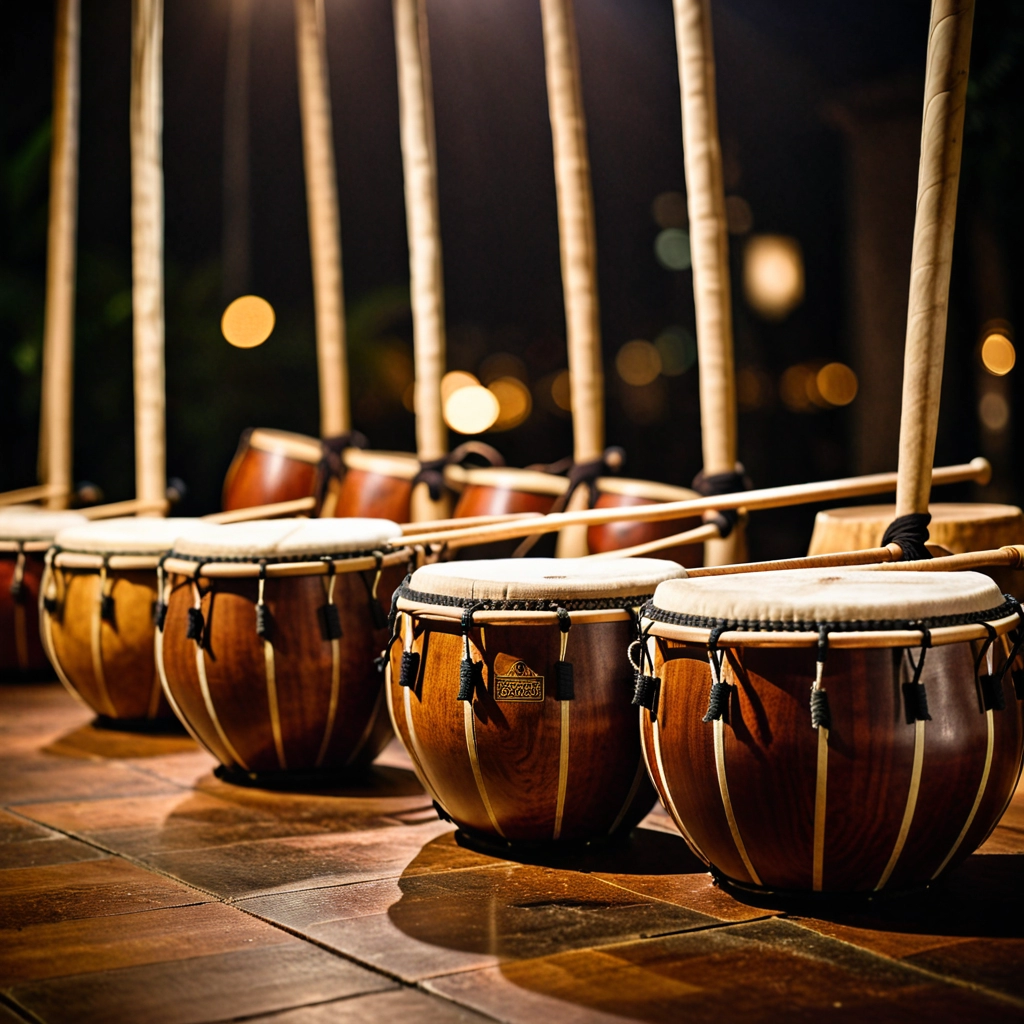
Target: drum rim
[(418, 598), (1001, 513), (545, 484), (38, 546), (286, 442), (234, 566), (634, 487), (400, 465)]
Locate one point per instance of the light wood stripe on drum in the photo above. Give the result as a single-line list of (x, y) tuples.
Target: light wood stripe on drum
[(161, 672), (415, 750), (723, 786), (368, 731), (46, 630), (821, 782), (989, 749), (97, 643), (912, 794), (275, 714), (563, 767), (469, 718)]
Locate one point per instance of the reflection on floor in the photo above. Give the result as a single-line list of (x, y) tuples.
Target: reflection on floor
[(137, 887)]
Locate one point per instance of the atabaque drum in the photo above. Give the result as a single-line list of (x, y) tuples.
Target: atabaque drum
[(831, 731), (25, 536), (376, 484), (624, 492), (99, 591), (266, 641), (967, 526), (270, 466), (510, 689)]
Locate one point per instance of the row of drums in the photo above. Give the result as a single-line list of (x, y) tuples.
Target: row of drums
[(831, 731)]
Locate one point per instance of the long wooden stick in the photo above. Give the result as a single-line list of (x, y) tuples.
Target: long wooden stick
[(324, 219), (132, 507), (55, 427), (949, 47), (30, 495), (575, 228), (977, 470), (148, 251)]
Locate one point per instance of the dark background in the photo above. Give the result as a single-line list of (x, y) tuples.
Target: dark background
[(784, 68)]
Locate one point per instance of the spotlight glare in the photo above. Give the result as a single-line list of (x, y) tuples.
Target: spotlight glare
[(773, 275), (471, 410)]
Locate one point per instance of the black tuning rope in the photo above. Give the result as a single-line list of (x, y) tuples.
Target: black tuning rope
[(471, 673), (911, 533), (718, 698), (565, 687), (327, 613), (914, 696), (712, 484), (821, 714)]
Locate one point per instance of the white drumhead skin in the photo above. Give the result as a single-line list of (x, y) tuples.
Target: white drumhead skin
[(130, 535), (830, 595), (284, 442), (649, 490), (400, 465), (37, 525), (512, 579), (286, 538), (507, 478)]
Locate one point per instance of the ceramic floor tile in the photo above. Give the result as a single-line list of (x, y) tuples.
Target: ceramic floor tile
[(402, 1005), (36, 951), (27, 780), (203, 989), (92, 888), (37, 853), (119, 744), (763, 971), (15, 829)]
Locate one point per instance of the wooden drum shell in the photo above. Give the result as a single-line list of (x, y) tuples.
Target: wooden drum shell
[(108, 664), (271, 466), (303, 719), (21, 650), (769, 758), (495, 766), (377, 485)]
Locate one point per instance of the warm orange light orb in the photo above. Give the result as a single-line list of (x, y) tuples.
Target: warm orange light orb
[(248, 321), (837, 384), (471, 410), (773, 275), (998, 354)]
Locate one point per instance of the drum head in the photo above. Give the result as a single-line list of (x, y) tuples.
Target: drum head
[(805, 599), (284, 442), (137, 536), (544, 579), (42, 525)]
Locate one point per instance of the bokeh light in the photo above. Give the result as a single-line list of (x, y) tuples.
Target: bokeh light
[(738, 215), (672, 249), (514, 402), (669, 210), (994, 412), (998, 354), (773, 275), (471, 409), (248, 321), (677, 348), (638, 363), (753, 388), (837, 384), (455, 379), (561, 393), (502, 364), (797, 386)]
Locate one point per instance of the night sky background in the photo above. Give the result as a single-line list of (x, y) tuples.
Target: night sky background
[(782, 67)]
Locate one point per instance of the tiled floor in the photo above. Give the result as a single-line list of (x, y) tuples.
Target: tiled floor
[(137, 887)]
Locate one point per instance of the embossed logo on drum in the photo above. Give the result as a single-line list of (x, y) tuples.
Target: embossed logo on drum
[(519, 683)]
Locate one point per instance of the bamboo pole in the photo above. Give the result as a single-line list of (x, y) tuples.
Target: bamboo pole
[(147, 252), (949, 47), (575, 228), (709, 246), (419, 164), (978, 470), (55, 428), (324, 219)]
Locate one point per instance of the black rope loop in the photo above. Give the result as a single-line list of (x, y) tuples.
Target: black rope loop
[(915, 696), (471, 673), (911, 533), (718, 698), (195, 626), (646, 684), (262, 618), (332, 463), (159, 607), (712, 484), (17, 589)]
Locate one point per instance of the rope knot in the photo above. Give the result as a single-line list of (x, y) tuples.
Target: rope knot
[(911, 533)]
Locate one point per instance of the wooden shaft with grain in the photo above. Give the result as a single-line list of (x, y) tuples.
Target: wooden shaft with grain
[(575, 228), (1011, 556), (323, 216), (148, 252), (709, 237), (57, 402), (131, 507), (978, 470), (40, 492), (419, 164), (949, 47)]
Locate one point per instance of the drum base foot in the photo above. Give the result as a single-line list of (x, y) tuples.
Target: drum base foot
[(157, 726), (796, 899), (544, 851)]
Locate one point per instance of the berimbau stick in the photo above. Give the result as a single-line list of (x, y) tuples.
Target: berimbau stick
[(949, 46), (148, 253), (419, 163), (324, 219), (59, 318), (709, 247)]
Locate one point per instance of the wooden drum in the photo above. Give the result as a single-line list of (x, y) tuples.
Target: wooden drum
[(956, 527), (501, 490), (271, 466), (836, 731), (510, 690), (96, 616), (376, 484), (25, 537), (622, 492), (269, 638)]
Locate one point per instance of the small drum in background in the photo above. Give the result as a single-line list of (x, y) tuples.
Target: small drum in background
[(25, 537), (622, 492), (270, 631), (96, 617), (956, 527), (376, 484), (510, 689), (270, 466), (838, 731)]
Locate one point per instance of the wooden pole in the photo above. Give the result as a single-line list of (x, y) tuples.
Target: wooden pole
[(949, 47), (235, 247), (147, 252), (575, 228), (55, 433), (709, 247), (419, 163), (324, 220), (978, 471)]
